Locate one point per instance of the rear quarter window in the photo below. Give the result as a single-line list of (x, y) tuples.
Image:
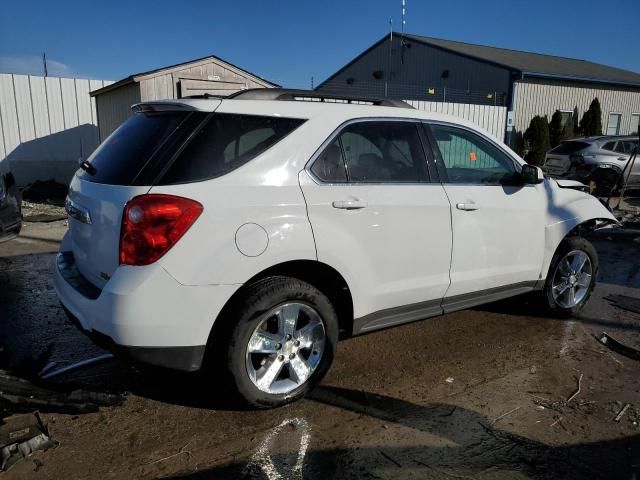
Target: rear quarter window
[(567, 148), (170, 147), (224, 143)]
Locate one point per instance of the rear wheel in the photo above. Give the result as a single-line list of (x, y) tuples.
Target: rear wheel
[(572, 276), (278, 341)]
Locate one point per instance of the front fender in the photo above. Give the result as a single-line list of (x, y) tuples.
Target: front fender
[(566, 209)]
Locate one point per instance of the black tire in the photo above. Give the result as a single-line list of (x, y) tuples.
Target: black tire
[(238, 322), (568, 245)]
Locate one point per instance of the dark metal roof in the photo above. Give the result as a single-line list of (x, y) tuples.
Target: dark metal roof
[(132, 78), (536, 64)]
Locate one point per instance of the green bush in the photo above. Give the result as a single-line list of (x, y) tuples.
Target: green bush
[(536, 140), (591, 123), (556, 132)]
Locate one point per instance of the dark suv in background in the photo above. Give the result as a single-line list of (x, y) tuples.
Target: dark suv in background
[(10, 205), (598, 159)]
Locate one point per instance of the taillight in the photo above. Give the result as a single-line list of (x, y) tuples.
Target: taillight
[(152, 224)]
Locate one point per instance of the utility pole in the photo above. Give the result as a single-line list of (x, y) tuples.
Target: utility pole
[(311, 82), (44, 63)]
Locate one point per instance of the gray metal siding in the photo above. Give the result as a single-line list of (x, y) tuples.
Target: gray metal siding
[(114, 107), (422, 68), (540, 97), (488, 117), (46, 125)]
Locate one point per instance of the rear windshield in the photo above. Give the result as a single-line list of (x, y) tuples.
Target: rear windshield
[(161, 148), (567, 148)]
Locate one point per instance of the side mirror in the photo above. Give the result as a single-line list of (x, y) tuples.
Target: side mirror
[(531, 175)]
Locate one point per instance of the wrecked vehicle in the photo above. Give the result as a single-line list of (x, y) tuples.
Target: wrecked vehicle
[(247, 234), (603, 160), (10, 211)]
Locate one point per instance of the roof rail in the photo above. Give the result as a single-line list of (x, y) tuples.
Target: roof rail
[(313, 96)]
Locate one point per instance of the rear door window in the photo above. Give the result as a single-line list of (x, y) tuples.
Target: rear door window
[(374, 152)]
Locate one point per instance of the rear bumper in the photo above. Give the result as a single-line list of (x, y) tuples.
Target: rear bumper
[(188, 359), (142, 313)]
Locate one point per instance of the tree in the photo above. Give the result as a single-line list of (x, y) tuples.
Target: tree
[(556, 132), (591, 123), (536, 139)]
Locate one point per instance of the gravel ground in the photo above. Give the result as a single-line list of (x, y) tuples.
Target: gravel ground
[(478, 394)]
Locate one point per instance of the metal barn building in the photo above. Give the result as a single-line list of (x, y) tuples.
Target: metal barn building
[(413, 67), (210, 75)]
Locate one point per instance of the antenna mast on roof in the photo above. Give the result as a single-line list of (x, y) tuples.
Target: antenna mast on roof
[(404, 24), (388, 76)]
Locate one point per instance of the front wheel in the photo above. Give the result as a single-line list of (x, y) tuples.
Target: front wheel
[(280, 341), (572, 276)]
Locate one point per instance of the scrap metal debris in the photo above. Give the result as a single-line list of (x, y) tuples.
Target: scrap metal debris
[(505, 414), (20, 395), (577, 391), (618, 347), (20, 436), (45, 373), (622, 412)]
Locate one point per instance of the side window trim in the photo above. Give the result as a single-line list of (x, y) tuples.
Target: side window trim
[(435, 153), (423, 133), (517, 167), (343, 126)]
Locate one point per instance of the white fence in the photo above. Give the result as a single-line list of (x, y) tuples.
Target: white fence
[(46, 125), (491, 118)]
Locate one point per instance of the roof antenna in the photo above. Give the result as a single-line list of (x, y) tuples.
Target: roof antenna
[(388, 76), (404, 23)]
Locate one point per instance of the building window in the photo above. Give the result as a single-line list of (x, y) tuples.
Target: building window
[(635, 123), (565, 117), (613, 125)]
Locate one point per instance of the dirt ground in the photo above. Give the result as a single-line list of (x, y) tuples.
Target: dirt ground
[(479, 394)]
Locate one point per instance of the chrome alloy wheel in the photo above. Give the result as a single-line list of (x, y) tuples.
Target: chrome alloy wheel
[(572, 279), (285, 348)]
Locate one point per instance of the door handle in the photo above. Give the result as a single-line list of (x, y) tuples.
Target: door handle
[(623, 159), (349, 204), (467, 206)]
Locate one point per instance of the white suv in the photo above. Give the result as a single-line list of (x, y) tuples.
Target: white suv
[(247, 234)]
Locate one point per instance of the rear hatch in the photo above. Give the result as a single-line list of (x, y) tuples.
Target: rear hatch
[(157, 146), (125, 165), (558, 159)]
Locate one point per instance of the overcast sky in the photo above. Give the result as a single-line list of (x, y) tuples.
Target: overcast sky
[(289, 42)]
